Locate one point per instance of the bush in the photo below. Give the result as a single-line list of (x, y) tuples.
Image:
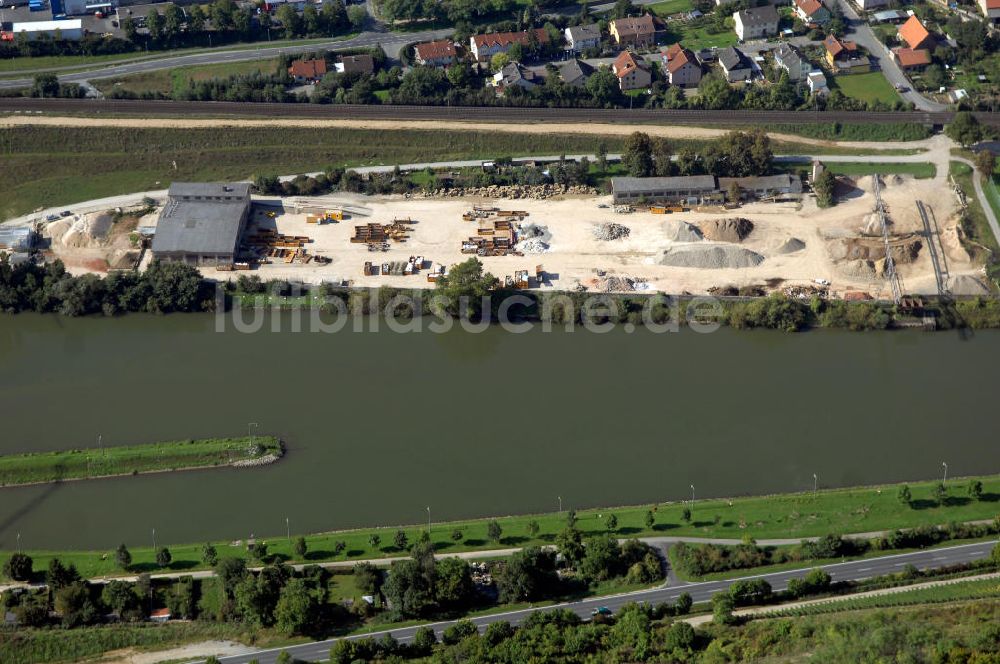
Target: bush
[(18, 567), (460, 630)]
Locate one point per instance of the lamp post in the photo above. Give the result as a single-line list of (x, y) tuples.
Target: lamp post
[(560, 504), (428, 519), (288, 530), (154, 541), (692, 495), (945, 480), (19, 541), (815, 483)]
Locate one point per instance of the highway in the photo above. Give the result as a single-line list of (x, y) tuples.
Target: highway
[(700, 592), (391, 42), (493, 114)]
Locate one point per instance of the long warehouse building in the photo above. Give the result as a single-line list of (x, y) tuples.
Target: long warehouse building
[(697, 189), (201, 223)]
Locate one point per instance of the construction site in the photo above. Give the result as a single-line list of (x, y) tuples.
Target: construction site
[(886, 237)]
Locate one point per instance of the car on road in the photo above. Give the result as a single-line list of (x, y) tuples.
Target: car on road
[(602, 611), (52, 217), (901, 88), (65, 213)]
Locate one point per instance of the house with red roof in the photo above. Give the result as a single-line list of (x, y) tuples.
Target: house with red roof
[(440, 53), (915, 35), (484, 47), (812, 11), (632, 74), (308, 71), (683, 69), (991, 10), (911, 59)]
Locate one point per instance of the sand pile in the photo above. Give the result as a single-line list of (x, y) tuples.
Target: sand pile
[(965, 284), (904, 249), (537, 231), (790, 246), (951, 239), (871, 225), (681, 231), (727, 230), (711, 257), (533, 246), (609, 231), (87, 231), (859, 269)]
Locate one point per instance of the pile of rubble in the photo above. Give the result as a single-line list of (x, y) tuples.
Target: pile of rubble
[(514, 191), (610, 231), (615, 283), (533, 246)]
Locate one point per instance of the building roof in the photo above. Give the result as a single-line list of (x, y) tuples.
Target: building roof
[(816, 79), (759, 15), (435, 50), (579, 33), (809, 7), (992, 4), (732, 58), (574, 70), (511, 74), (835, 47), (679, 183), (673, 51), (15, 238), (625, 64), (909, 57), (202, 226), (895, 14), (308, 68), (913, 32), (509, 38), (363, 63), (783, 182), (634, 25), (160, 613), (48, 26), (683, 57), (787, 56)]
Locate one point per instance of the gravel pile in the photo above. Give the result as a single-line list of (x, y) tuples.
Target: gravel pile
[(711, 257), (610, 231), (536, 231), (533, 246), (859, 269), (790, 246), (681, 231), (734, 229), (614, 283)]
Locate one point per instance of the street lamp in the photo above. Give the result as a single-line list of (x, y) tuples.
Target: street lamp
[(250, 427), (692, 495), (19, 541), (154, 541), (560, 504), (288, 530), (815, 483), (945, 464), (428, 519)]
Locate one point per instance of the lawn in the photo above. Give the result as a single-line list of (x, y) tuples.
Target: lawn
[(670, 7), (866, 87), (917, 170), (167, 81), (16, 469), (979, 229), (696, 38), (841, 511)]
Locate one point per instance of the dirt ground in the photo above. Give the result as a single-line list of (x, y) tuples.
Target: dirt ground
[(94, 242), (574, 255), (181, 653)]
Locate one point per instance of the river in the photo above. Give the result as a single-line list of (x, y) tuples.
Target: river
[(380, 425)]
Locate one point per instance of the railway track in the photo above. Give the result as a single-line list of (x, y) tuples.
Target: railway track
[(468, 113)]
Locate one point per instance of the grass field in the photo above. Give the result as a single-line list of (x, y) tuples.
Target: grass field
[(917, 170), (38, 467), (168, 81), (982, 233), (841, 511), (669, 7), (867, 87), (696, 38)]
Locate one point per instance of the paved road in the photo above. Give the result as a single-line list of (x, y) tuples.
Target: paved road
[(700, 592), (392, 42), (862, 33)]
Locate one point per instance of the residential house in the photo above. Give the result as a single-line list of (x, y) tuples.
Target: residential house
[(787, 58), (484, 47), (440, 53), (844, 57), (868, 5), (910, 59), (355, 64), (160, 615), (683, 69), (631, 72), (514, 75), (575, 73), (581, 38), (736, 66), (812, 12), (307, 71), (915, 35), (756, 22), (634, 31), (817, 83), (991, 10)]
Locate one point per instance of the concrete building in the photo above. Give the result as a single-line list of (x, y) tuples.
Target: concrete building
[(69, 29), (583, 37), (631, 72), (695, 189), (991, 10), (683, 69), (756, 22), (787, 58), (817, 83), (201, 223), (735, 66), (441, 53), (484, 47), (910, 59), (634, 31)]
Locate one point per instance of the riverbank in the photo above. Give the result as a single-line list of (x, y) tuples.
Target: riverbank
[(116, 461), (787, 516)]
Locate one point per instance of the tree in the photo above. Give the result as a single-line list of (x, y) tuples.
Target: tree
[(964, 129), (527, 575), (400, 540), (494, 531), (904, 494), (986, 163), (296, 608), (750, 591), (686, 515), (453, 586), (940, 493), (300, 547), (571, 519), (74, 605), (499, 61), (722, 609), (368, 579), (59, 576), (290, 20), (456, 535), (650, 520), (374, 540), (976, 490), (683, 604), (533, 528), (663, 154), (120, 598), (45, 85), (209, 555), (638, 155), (163, 556), (123, 557), (604, 89), (423, 641), (612, 524), (18, 567), (679, 636), (569, 543), (409, 588), (824, 186), (356, 16), (154, 23), (995, 554), (601, 559), (464, 288)]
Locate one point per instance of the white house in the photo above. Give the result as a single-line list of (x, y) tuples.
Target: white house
[(756, 22), (788, 58), (736, 66), (817, 83), (583, 37)]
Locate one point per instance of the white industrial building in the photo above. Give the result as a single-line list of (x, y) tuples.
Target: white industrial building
[(71, 29)]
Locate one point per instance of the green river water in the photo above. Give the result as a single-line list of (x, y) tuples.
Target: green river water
[(380, 425)]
